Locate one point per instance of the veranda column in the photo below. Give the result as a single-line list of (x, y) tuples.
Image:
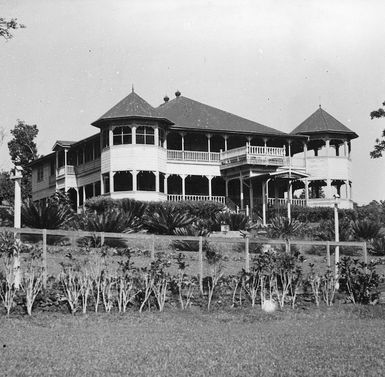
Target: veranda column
[(289, 196), (241, 191), (110, 138), (264, 202), (156, 181), (306, 191), (347, 186), (305, 154), (208, 142), (166, 183), (328, 180), (225, 137), (183, 186), (77, 198), (101, 185), (345, 148), (133, 133), (251, 198), (112, 188), (165, 140), (93, 189), (156, 135), (182, 134), (65, 170), (210, 177), (84, 195), (227, 188), (134, 180)]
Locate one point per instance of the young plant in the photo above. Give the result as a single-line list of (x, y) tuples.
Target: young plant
[(32, 280), (86, 283), (215, 273), (107, 288), (186, 285), (314, 281), (71, 285), (251, 284), (329, 287)]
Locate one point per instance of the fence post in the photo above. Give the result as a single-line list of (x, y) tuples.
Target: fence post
[(247, 254), (101, 238), (44, 258), (200, 257), (328, 253), (153, 247), (365, 249)]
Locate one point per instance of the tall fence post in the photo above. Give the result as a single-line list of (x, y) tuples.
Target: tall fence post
[(200, 257), (365, 250), (247, 254), (153, 247), (44, 258), (101, 238), (328, 253)]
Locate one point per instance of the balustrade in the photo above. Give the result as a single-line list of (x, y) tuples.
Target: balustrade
[(195, 198)]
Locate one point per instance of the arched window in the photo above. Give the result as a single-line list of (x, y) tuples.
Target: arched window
[(122, 135), (145, 135)]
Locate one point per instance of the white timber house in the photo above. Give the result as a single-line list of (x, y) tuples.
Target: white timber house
[(186, 150)]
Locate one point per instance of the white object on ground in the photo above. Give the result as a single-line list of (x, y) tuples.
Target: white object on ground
[(269, 306)]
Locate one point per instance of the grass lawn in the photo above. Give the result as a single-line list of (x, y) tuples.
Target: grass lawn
[(339, 341)]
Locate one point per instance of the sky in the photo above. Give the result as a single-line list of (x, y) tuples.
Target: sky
[(272, 61)]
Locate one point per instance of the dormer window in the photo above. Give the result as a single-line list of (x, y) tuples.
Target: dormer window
[(145, 135), (122, 135)]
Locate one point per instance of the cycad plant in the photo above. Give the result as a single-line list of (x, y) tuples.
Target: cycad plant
[(365, 229), (166, 220), (284, 228), (236, 221), (55, 213)]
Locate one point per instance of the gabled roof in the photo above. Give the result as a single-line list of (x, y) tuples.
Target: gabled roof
[(62, 144), (321, 122), (189, 114), (133, 106)]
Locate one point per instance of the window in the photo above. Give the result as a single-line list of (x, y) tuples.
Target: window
[(145, 135), (105, 138), (97, 148), (122, 135), (40, 173), (80, 156)]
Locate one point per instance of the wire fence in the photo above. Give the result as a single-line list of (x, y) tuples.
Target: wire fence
[(236, 252)]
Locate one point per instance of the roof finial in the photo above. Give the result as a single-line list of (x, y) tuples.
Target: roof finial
[(132, 88), (319, 100)]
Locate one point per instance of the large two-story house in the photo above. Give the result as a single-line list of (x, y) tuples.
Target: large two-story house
[(186, 150)]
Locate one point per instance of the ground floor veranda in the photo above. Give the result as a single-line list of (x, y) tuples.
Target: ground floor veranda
[(252, 195)]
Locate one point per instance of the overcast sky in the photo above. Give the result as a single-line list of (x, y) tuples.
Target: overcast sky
[(269, 61)]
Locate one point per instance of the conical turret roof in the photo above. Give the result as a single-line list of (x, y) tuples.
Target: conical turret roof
[(132, 106), (321, 122)]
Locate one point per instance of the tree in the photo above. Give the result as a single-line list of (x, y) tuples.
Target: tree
[(6, 188), (380, 143), (22, 149), (6, 26)]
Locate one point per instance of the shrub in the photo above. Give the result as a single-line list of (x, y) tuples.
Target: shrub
[(358, 280), (378, 246)]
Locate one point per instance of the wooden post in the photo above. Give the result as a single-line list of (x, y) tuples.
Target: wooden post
[(365, 250), (153, 247), (328, 253), (247, 254), (200, 258), (101, 238), (44, 258)]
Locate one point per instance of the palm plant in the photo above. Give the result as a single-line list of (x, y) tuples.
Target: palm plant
[(236, 221), (284, 228), (110, 220), (166, 219), (55, 213), (365, 229)]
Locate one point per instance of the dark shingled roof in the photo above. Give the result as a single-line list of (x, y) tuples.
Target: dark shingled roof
[(321, 122), (132, 106), (190, 114)]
